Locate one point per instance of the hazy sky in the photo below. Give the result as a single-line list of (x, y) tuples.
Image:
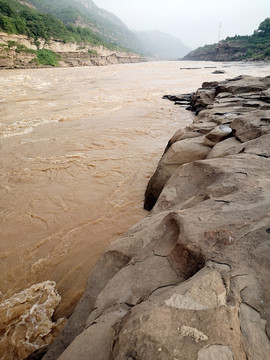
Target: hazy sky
[(195, 22)]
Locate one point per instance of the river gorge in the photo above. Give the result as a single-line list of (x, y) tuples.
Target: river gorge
[(78, 146)]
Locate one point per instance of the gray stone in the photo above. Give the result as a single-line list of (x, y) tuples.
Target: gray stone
[(214, 352), (224, 148), (256, 342)]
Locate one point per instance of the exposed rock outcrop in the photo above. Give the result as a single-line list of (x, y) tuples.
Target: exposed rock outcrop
[(223, 51), (237, 48), (191, 281), (12, 55), (236, 109)]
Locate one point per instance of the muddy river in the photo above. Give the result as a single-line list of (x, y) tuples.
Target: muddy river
[(78, 146)]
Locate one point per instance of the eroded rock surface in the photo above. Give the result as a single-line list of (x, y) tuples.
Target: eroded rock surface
[(191, 280), (235, 110)]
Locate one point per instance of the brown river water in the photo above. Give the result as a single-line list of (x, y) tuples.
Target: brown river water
[(78, 146)]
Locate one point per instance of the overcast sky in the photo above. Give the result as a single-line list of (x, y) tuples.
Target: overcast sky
[(195, 22)]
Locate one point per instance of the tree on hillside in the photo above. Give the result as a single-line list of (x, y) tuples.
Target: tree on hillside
[(5, 9), (264, 28)]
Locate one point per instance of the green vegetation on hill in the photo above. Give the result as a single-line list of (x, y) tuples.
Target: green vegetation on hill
[(65, 20), (47, 57), (254, 47), (258, 44), (16, 18), (43, 56), (88, 15)]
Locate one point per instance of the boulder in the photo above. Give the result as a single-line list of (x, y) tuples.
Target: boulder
[(209, 84), (218, 134), (224, 148), (218, 72), (175, 319), (249, 127), (242, 84), (97, 340), (179, 153), (259, 146), (202, 98)]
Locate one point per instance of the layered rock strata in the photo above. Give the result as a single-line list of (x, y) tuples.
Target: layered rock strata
[(71, 54), (229, 114), (191, 280)]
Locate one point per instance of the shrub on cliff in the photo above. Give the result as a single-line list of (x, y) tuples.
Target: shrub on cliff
[(264, 28), (47, 57), (267, 52), (5, 9)]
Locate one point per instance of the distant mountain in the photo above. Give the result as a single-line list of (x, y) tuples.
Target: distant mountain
[(254, 47), (161, 45)]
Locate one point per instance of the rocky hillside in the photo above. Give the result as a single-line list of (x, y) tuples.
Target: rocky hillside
[(18, 51), (51, 33), (161, 45), (191, 280), (255, 47)]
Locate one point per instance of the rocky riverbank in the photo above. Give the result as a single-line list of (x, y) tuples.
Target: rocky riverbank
[(18, 51), (223, 51), (191, 280)]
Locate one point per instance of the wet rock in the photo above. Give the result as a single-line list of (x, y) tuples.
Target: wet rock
[(211, 84), (38, 354), (218, 72)]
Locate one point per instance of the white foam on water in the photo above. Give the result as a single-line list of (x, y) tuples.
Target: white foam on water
[(26, 320), (24, 126)]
